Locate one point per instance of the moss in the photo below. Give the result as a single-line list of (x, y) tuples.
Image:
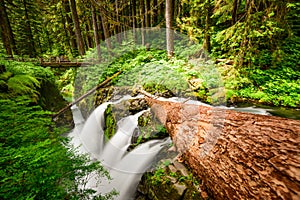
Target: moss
[(150, 128), (158, 89), (163, 184), (110, 123)]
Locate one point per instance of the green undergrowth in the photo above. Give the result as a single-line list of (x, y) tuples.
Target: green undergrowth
[(271, 79), (32, 82), (157, 74), (268, 83), (34, 160)]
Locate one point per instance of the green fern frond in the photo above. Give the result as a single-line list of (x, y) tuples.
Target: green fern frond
[(5, 76), (24, 85)]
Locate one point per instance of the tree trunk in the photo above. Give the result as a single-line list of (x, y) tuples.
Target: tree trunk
[(142, 14), (69, 26), (89, 39), (148, 13), (234, 12), (100, 28), (6, 31), (118, 26), (237, 155), (105, 30), (161, 11), (4, 27), (96, 35), (77, 27), (133, 13), (206, 43), (155, 13), (30, 42), (169, 31)]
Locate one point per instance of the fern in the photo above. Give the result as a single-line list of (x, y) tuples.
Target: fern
[(24, 85), (5, 76)]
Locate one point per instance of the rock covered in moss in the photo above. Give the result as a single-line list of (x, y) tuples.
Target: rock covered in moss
[(171, 182)]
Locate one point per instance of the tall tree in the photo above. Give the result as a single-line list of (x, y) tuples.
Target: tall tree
[(4, 29), (148, 13), (234, 11), (117, 29), (155, 12), (96, 30), (208, 13), (28, 29), (77, 27), (69, 25), (142, 14), (133, 13), (169, 30), (105, 29)]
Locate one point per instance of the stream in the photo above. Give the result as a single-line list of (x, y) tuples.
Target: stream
[(126, 168)]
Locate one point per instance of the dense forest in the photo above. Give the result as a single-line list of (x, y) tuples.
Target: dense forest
[(259, 38), (253, 44)]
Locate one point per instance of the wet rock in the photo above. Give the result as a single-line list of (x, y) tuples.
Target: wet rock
[(181, 168), (168, 183), (180, 188)]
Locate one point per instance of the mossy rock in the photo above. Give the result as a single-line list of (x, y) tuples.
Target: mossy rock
[(158, 90), (110, 123), (149, 128), (163, 184)]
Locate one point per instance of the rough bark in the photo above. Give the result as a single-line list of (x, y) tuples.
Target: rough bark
[(77, 27), (237, 155)]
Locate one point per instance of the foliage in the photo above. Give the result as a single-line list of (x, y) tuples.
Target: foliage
[(65, 82), (110, 123), (24, 85), (25, 79), (162, 175), (35, 163), (277, 85)]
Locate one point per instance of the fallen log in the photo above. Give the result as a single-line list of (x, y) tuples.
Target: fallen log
[(237, 155), (106, 81)]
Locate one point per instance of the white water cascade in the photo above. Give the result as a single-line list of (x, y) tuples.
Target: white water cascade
[(126, 168)]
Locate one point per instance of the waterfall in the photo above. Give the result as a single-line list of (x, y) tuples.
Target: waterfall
[(126, 168)]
